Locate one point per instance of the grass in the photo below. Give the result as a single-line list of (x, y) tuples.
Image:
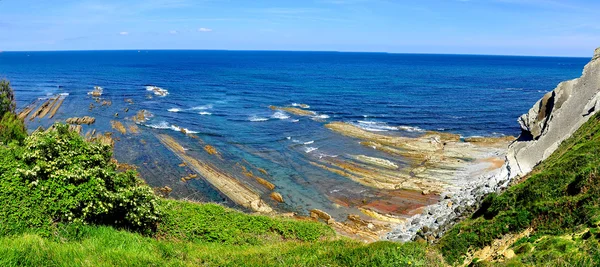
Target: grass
[(105, 246), (560, 198)]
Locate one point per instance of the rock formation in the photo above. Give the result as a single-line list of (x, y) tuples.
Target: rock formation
[(555, 118)]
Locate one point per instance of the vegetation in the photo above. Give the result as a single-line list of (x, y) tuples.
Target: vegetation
[(64, 202), (12, 128), (7, 98), (559, 201)]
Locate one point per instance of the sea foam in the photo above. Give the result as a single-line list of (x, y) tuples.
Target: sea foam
[(375, 126), (257, 119), (157, 90), (280, 115)]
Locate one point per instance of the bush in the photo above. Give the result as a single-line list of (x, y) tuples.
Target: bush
[(12, 128), (56, 176), (7, 98)]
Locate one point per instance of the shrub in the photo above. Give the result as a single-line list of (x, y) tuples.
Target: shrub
[(56, 176), (12, 128), (7, 98)]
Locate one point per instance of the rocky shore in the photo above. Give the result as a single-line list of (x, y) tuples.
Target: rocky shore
[(548, 123)]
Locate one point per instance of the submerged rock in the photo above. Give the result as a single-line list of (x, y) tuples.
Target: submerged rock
[(277, 197), (83, 120)]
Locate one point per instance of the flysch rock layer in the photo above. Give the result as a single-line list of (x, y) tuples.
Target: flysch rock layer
[(223, 182), (553, 119)]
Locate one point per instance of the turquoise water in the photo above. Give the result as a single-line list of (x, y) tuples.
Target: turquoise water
[(224, 97)]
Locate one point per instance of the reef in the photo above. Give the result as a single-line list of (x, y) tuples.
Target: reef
[(83, 120), (295, 111), (48, 107), (223, 182)]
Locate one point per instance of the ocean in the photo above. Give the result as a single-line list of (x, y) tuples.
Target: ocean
[(237, 102)]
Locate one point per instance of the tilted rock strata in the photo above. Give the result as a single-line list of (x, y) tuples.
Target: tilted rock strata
[(295, 111), (223, 182), (555, 118), (83, 120)]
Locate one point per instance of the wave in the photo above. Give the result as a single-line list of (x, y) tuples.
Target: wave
[(322, 155), (309, 149), (322, 116), (280, 115), (63, 94), (309, 142), (163, 125), (411, 129), (159, 125), (204, 107), (375, 126), (183, 130), (257, 119), (296, 120), (157, 90), (174, 110), (300, 105), (205, 113)]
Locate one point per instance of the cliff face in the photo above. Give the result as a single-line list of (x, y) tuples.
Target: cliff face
[(555, 118)]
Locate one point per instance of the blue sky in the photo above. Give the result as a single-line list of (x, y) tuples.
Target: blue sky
[(515, 27)]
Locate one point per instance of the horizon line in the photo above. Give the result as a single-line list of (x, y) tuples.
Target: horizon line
[(283, 50)]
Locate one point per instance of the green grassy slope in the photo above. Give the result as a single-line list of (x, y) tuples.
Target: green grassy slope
[(560, 201)]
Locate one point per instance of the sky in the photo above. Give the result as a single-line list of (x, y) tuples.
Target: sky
[(503, 27)]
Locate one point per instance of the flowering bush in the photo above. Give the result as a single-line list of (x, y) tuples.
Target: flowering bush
[(70, 180)]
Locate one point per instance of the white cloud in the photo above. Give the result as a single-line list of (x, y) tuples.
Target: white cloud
[(173, 32), (205, 30), (124, 33)]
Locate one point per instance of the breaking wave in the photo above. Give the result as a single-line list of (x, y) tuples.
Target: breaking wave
[(257, 119)]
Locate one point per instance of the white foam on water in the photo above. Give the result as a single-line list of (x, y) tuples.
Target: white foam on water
[(410, 129), (322, 116), (309, 149), (375, 126), (322, 155), (309, 142), (159, 125), (157, 90), (280, 115), (204, 107), (205, 113), (300, 105), (295, 120), (257, 119), (174, 110)]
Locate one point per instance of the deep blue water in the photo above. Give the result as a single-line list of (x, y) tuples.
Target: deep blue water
[(469, 95)]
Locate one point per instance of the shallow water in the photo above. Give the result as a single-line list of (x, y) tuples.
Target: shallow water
[(224, 97)]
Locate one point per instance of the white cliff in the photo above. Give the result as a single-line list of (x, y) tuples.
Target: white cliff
[(555, 118)]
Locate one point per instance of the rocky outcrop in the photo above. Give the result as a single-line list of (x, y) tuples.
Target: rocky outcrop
[(83, 120), (555, 118)]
